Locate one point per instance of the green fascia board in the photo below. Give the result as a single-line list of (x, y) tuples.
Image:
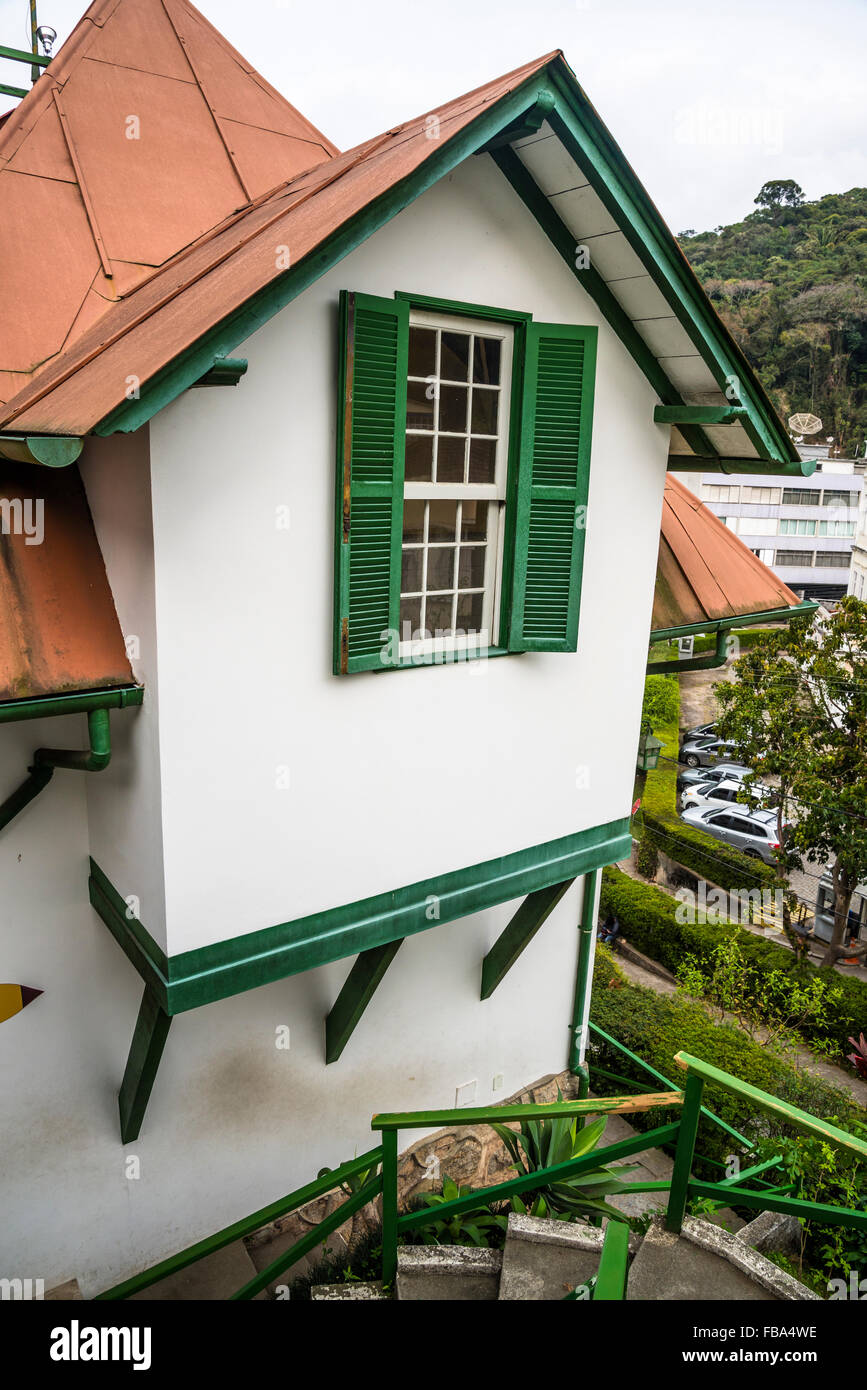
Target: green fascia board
[(614, 181), (769, 615), (193, 978), (581, 130), (76, 702), (224, 337)]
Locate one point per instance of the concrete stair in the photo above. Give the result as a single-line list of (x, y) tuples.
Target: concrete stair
[(546, 1260)]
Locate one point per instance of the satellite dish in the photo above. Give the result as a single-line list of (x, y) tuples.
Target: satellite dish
[(805, 423)]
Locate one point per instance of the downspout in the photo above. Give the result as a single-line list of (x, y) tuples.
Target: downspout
[(586, 942), (45, 760)]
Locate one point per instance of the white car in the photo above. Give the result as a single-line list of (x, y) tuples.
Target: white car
[(727, 790)]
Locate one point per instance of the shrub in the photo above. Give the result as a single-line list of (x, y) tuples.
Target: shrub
[(648, 921)]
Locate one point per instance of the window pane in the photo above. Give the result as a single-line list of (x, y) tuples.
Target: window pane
[(474, 521), (455, 356), (410, 612), (438, 614), (469, 616), (450, 459), (483, 460), (443, 520), (440, 567), (486, 360), (410, 572), (419, 409), (485, 405), (419, 458), (413, 521), (453, 409), (422, 352), (471, 568)]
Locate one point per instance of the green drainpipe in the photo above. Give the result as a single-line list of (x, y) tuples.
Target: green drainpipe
[(45, 760), (582, 982)]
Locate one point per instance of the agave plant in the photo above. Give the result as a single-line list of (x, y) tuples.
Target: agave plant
[(858, 1058), (538, 1144), (476, 1227)]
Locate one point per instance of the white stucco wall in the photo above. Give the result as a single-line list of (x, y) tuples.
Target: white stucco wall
[(393, 778), (397, 776)]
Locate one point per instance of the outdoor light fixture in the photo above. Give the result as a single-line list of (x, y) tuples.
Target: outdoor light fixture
[(46, 36), (648, 749)]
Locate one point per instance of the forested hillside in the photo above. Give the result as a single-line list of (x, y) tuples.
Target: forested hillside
[(790, 281)]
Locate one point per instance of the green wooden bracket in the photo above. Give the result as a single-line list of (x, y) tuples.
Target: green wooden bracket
[(528, 124), (356, 994), (148, 1041), (516, 937), (226, 371), (698, 414)]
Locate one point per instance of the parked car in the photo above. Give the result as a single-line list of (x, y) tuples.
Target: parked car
[(752, 832), (700, 731), (727, 790), (693, 776), (705, 752)]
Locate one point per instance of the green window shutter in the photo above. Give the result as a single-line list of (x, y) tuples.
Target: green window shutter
[(553, 481), (374, 337)]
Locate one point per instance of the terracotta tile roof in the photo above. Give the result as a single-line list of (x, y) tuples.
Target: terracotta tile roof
[(164, 313), (59, 631), (704, 571), (144, 133)]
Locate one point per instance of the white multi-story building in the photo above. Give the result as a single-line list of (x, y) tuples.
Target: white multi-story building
[(803, 528)]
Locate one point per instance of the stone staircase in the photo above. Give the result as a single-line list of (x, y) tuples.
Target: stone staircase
[(546, 1260)]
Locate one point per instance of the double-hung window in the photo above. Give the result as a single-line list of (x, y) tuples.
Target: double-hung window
[(462, 481)]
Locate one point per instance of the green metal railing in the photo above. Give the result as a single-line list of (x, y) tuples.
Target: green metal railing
[(375, 1174)]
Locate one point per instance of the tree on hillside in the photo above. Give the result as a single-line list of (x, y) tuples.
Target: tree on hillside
[(797, 708), (778, 193)]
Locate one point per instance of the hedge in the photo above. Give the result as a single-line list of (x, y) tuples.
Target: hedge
[(655, 1027), (648, 921), (747, 637), (663, 829)]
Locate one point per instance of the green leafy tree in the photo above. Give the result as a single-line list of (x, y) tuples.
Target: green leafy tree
[(661, 700), (777, 193), (797, 708)]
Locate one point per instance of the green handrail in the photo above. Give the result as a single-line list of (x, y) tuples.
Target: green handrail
[(501, 1114), (611, 1274), (299, 1198)]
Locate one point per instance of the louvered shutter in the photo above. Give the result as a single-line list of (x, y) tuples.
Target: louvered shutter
[(553, 481), (374, 336)]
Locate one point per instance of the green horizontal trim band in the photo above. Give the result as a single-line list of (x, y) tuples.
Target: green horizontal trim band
[(769, 615), (459, 306), (78, 702), (697, 414), (197, 977)]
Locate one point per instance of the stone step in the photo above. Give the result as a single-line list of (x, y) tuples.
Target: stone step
[(354, 1291), (216, 1277), (546, 1259), (706, 1263), (428, 1272)]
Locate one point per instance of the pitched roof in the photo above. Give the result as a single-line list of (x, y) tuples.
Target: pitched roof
[(167, 329), (59, 631), (145, 131), (705, 573)]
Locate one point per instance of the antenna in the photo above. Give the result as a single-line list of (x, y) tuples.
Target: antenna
[(805, 423)]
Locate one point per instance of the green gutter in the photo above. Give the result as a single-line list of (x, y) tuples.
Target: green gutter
[(697, 463), (770, 615), (690, 663), (50, 450), (96, 757)]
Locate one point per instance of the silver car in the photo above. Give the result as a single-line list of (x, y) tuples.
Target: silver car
[(705, 752), (725, 791), (734, 772), (752, 832)]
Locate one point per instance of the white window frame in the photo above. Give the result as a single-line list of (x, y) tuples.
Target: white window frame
[(495, 493)]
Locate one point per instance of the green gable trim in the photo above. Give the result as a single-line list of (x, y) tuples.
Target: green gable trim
[(769, 615), (194, 978), (224, 337), (557, 92)]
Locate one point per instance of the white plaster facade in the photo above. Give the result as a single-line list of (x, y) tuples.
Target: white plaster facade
[(392, 778)]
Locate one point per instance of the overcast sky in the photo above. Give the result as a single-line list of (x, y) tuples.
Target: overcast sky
[(707, 99)]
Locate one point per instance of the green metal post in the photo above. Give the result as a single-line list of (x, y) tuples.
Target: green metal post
[(686, 1137), (148, 1041), (93, 759), (389, 1206), (34, 42), (578, 1067)]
